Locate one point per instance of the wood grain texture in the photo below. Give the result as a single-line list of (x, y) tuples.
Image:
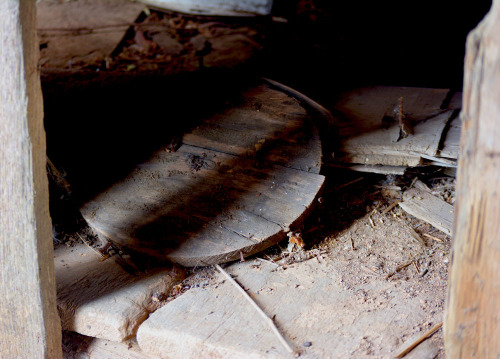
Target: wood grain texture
[(452, 140), (29, 324), (76, 346), (367, 139), (238, 182), (473, 305), (429, 208), (66, 49), (100, 299)]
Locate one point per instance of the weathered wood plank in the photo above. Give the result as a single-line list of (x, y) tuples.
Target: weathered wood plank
[(307, 301), (239, 181), (29, 324), (100, 299), (452, 140), (379, 143), (222, 206), (362, 110), (473, 306), (367, 139), (429, 208), (65, 47), (395, 170), (76, 346), (269, 123)]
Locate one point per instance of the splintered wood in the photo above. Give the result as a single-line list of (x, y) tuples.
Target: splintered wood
[(385, 129), (235, 186)]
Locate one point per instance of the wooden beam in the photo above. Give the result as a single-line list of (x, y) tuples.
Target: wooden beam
[(472, 323), (29, 324)]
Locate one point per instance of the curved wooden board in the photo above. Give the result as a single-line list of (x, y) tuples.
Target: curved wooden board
[(235, 186)]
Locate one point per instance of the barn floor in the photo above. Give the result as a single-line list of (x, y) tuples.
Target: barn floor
[(363, 285)]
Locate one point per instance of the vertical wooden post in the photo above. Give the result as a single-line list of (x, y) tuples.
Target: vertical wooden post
[(29, 324), (472, 323)]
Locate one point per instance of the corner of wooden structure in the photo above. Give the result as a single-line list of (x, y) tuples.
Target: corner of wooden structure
[(473, 305), (29, 323)]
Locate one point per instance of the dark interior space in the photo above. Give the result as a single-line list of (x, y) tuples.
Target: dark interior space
[(101, 123), (329, 45)]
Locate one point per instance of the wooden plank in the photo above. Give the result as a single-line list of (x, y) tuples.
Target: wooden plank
[(308, 302), (473, 305), (95, 37), (429, 208), (362, 110), (239, 181), (29, 324), (100, 299), (395, 170), (452, 140), (76, 346), (215, 7), (367, 140), (380, 143), (270, 120), (215, 211)]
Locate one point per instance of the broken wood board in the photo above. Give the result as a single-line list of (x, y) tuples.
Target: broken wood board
[(452, 140), (240, 180), (308, 303), (83, 31), (362, 110), (366, 139), (99, 298), (378, 146), (431, 209), (215, 7), (77, 346), (380, 169)]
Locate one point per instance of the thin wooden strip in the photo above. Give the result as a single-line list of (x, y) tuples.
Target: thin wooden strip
[(420, 340)]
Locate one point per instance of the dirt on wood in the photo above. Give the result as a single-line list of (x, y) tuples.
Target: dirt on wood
[(382, 256)]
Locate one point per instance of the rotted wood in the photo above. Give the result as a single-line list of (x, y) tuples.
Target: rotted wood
[(473, 305), (235, 186), (29, 324)]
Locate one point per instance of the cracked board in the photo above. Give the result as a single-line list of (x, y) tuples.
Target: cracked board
[(369, 133), (239, 181)]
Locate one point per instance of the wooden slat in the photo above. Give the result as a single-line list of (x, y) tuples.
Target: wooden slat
[(452, 141), (100, 299), (269, 119), (429, 208), (29, 324), (366, 141), (364, 108)]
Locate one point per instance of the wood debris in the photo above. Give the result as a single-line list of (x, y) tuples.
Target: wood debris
[(387, 129), (428, 208)]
